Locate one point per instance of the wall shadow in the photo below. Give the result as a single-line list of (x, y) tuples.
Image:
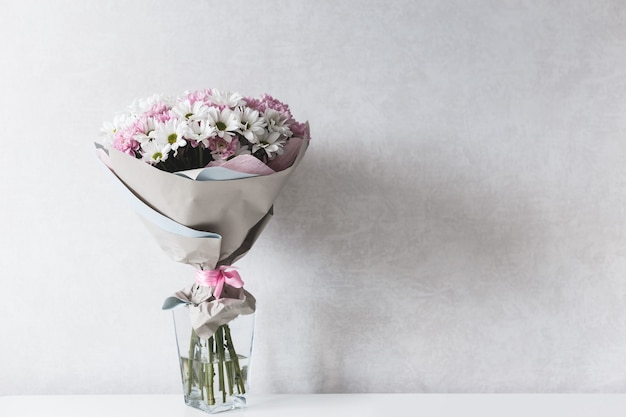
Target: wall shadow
[(397, 248)]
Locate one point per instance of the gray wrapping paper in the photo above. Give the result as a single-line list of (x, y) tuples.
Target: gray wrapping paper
[(206, 313), (236, 211)]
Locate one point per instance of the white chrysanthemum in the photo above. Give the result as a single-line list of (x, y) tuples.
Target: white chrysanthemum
[(109, 129), (228, 98), (155, 152), (252, 124), (196, 111), (277, 122), (142, 105), (148, 126), (170, 132), (272, 143), (200, 131), (225, 122)]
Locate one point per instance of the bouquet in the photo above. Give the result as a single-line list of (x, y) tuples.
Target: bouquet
[(203, 171)]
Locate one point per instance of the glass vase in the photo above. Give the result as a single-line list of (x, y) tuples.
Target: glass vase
[(214, 371)]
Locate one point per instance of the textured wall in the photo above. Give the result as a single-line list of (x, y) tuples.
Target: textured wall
[(456, 226)]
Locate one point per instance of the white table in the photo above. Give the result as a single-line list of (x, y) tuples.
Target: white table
[(325, 405)]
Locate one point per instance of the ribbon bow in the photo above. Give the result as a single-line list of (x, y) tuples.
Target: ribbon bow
[(217, 277)]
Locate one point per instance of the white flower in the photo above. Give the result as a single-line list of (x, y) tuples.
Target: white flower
[(169, 132), (155, 152), (109, 129), (277, 122), (225, 122), (229, 99), (272, 143), (185, 110), (200, 131), (252, 124), (148, 124)]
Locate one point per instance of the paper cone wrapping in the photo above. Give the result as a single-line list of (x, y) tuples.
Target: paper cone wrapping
[(205, 224), (237, 210)]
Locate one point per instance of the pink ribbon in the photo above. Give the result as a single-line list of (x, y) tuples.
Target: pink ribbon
[(217, 277)]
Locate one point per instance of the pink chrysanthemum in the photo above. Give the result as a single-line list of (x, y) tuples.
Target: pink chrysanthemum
[(254, 104), (124, 141), (158, 109), (221, 149), (299, 130), (200, 95), (271, 103)]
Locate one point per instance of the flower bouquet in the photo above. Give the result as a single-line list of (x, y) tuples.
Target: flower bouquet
[(203, 171)]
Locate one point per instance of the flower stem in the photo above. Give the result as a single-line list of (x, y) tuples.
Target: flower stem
[(211, 373), (192, 348), (231, 377), (219, 347), (201, 378), (235, 360)]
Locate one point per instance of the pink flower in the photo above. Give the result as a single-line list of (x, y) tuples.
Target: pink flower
[(160, 111), (222, 149), (164, 117), (200, 95), (124, 141), (299, 130), (271, 103), (254, 104)]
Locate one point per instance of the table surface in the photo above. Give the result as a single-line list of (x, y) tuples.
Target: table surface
[(327, 405)]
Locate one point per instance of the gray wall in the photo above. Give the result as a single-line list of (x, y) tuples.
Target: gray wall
[(456, 226)]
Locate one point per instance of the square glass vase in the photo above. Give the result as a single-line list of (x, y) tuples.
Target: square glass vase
[(214, 371)]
